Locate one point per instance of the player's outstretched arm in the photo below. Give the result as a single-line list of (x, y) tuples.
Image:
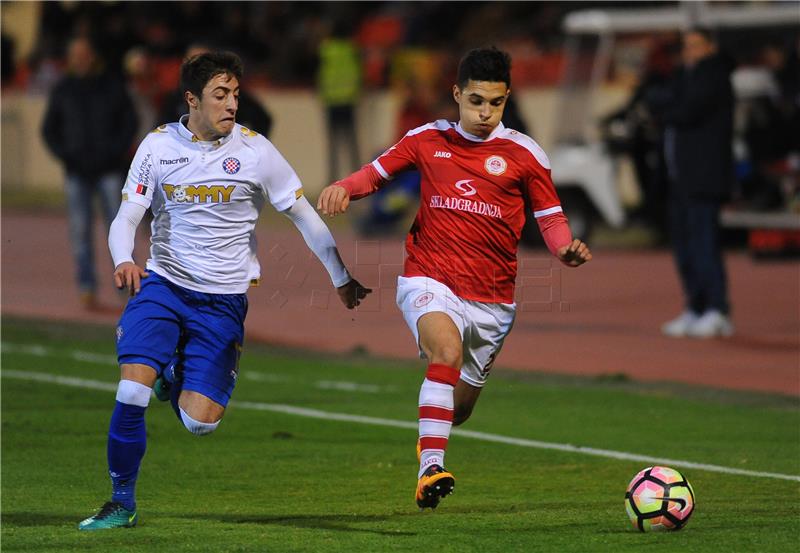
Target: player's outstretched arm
[(321, 242), (121, 238), (335, 198), (575, 253)]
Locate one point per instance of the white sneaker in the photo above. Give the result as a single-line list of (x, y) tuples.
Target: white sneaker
[(710, 324), (678, 326)]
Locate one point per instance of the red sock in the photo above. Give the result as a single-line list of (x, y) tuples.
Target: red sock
[(435, 413)]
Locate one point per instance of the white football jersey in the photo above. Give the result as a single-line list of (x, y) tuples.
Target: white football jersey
[(206, 198)]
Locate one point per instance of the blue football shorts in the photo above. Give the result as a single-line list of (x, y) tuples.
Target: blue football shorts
[(208, 329)]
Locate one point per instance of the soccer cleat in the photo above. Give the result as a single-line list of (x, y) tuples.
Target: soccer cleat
[(434, 484), (161, 388), (111, 515)]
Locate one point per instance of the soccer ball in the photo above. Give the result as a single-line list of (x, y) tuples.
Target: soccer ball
[(659, 498)]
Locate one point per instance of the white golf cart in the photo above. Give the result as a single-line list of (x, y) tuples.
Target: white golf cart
[(584, 171)]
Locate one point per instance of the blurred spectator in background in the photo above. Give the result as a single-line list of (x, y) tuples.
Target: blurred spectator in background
[(390, 205), (339, 87), (697, 111), (143, 88), (512, 118), (89, 125), (784, 119), (251, 113), (633, 130), (7, 66)]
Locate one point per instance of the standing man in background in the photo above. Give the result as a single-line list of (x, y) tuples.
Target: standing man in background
[(339, 86), (90, 124), (697, 111)]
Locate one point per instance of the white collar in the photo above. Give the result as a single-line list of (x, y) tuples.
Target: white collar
[(497, 130), (183, 131)]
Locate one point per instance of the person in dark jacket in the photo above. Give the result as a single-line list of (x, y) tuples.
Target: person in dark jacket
[(697, 113), (89, 125)]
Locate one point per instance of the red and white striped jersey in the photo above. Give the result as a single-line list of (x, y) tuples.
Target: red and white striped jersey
[(474, 193)]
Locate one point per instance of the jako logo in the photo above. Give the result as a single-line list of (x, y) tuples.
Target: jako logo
[(440, 153), (466, 188)]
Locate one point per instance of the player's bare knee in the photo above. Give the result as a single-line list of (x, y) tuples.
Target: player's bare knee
[(448, 355)]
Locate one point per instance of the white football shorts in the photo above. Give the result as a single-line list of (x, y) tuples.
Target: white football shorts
[(483, 326)]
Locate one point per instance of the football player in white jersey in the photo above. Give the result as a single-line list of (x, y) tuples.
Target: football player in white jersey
[(206, 179)]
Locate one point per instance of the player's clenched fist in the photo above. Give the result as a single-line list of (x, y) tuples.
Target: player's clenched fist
[(333, 200), (129, 275), (352, 293), (574, 254)]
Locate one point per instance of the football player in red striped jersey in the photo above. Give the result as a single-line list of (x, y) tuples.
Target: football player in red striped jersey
[(478, 181)]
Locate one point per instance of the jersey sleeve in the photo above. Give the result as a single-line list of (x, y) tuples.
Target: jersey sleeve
[(280, 183), (142, 178), (398, 158), (539, 189), (546, 205)]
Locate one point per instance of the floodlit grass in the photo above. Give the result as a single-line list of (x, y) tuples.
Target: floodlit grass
[(276, 482)]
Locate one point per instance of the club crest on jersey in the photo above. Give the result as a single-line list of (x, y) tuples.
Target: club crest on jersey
[(231, 165), (495, 165), (423, 299)]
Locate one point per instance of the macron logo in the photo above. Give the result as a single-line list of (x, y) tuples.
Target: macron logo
[(174, 161), (440, 153)]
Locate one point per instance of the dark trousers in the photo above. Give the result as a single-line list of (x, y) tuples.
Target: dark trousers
[(81, 192), (694, 225), (341, 134)]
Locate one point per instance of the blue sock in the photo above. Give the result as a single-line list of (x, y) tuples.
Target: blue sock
[(127, 442)]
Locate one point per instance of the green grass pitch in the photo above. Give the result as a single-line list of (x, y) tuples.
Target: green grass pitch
[(269, 481)]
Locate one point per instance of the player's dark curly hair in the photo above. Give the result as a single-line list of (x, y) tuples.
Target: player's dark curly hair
[(485, 64), (198, 70)]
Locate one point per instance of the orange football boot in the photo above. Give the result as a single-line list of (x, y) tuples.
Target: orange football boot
[(434, 484)]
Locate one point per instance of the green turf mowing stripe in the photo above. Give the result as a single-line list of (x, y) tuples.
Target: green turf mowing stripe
[(360, 419)]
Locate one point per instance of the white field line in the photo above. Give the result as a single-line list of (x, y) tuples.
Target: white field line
[(346, 386), (261, 377), (103, 359), (43, 351), (375, 421)]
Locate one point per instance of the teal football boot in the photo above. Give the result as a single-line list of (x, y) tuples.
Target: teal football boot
[(111, 515)]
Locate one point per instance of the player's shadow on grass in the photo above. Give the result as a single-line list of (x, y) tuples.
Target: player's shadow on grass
[(337, 523), (10, 520)]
